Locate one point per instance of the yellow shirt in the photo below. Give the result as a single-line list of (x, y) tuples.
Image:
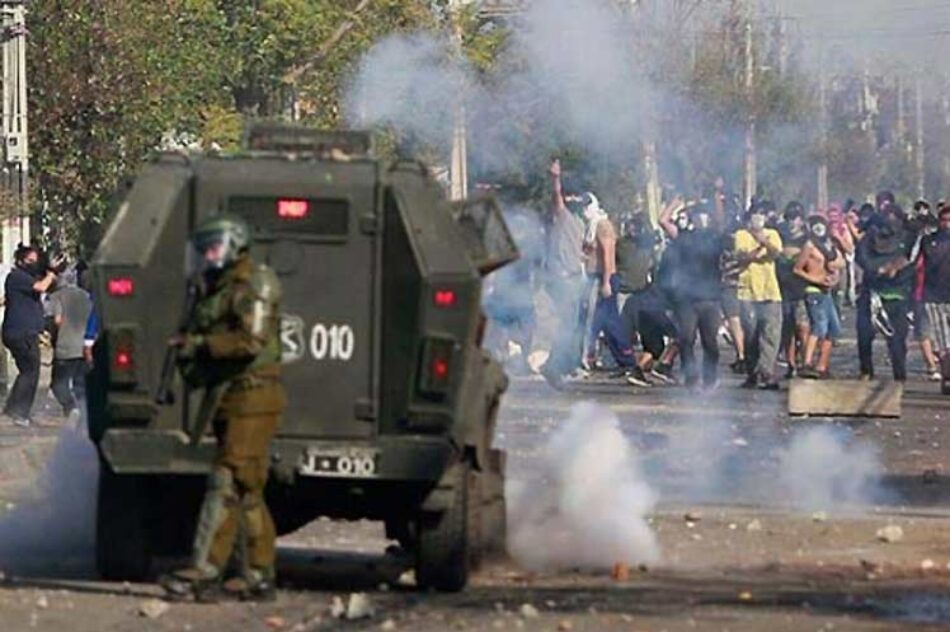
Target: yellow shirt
[(758, 282)]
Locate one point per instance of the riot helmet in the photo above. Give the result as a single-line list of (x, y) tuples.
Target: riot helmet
[(219, 240)]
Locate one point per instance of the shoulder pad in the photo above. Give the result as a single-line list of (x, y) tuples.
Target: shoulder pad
[(265, 284)]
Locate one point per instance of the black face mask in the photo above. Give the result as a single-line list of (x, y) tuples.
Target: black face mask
[(33, 269)]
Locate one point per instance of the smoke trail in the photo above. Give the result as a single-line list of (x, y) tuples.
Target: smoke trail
[(586, 504), (820, 470), (54, 526)]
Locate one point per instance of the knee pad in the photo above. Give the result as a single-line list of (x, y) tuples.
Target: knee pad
[(252, 507)]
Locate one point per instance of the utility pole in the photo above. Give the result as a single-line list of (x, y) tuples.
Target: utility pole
[(919, 154), (751, 179), (15, 223), (823, 122), (458, 167), (15, 169)]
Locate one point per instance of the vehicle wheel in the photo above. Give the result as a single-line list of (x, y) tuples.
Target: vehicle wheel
[(442, 554), (494, 520), (123, 551)]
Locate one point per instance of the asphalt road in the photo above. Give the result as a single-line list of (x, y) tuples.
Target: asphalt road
[(741, 545)]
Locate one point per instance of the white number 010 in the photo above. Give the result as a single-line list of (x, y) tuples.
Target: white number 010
[(334, 342)]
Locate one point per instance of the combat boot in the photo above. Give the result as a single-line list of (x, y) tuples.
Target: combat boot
[(203, 586), (258, 586)]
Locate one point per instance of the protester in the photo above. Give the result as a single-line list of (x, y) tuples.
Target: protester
[(600, 247), (757, 248), (820, 265), (795, 322), (923, 224), (70, 307), (22, 324), (935, 254), (697, 253), (844, 241), (731, 268), (884, 300), (565, 278), (644, 310)]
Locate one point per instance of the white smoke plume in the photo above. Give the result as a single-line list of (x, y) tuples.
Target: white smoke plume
[(815, 468), (575, 76), (820, 470), (586, 502), (53, 526)]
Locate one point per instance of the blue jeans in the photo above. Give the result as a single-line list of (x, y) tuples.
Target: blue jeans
[(607, 319), (823, 315)]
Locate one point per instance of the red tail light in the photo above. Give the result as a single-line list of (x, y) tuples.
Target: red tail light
[(123, 360), (293, 209), (445, 299), (435, 375), (120, 287), (440, 369)]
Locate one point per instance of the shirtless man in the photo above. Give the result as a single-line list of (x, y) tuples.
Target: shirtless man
[(820, 264)]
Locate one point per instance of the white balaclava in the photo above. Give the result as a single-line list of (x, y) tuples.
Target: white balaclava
[(593, 214)]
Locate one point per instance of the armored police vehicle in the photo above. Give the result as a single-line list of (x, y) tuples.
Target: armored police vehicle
[(392, 401)]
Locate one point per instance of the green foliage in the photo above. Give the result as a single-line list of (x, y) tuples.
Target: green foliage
[(110, 79), (107, 81)]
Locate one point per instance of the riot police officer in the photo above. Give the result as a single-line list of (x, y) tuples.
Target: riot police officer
[(231, 349)]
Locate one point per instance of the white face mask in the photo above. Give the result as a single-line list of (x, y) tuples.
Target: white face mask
[(593, 211), (702, 221), (819, 231), (757, 222)]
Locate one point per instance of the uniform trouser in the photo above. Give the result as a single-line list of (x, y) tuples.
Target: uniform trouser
[(68, 382), (607, 319), (762, 323), (704, 317), (26, 355), (566, 294), (896, 311), (234, 502)]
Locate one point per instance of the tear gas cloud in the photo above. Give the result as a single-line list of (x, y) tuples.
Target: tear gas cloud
[(585, 503), (575, 72), (814, 468), (54, 523), (584, 500), (820, 470)]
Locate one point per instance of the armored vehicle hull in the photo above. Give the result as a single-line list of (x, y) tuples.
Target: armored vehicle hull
[(392, 401)]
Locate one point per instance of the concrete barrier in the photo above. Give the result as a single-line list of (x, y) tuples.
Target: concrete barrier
[(845, 398)]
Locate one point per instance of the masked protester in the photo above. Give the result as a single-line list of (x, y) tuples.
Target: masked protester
[(232, 350), (923, 223), (935, 256), (23, 321), (600, 246), (645, 308), (565, 281), (757, 248), (884, 301), (698, 277), (795, 324), (820, 265)]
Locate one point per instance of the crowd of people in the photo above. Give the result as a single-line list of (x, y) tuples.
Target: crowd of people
[(771, 282), (46, 300)]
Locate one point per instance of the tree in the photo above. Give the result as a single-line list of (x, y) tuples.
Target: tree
[(108, 80)]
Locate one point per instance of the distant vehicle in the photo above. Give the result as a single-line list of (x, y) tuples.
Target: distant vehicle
[(393, 403)]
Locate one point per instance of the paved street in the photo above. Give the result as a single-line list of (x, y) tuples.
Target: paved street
[(739, 548)]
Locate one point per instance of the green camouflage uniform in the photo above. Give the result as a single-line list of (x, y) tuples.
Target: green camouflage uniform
[(234, 341)]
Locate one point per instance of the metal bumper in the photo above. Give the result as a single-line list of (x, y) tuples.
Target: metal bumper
[(144, 451)]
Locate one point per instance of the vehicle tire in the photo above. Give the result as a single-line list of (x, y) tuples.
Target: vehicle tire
[(123, 548), (494, 519), (442, 554)]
